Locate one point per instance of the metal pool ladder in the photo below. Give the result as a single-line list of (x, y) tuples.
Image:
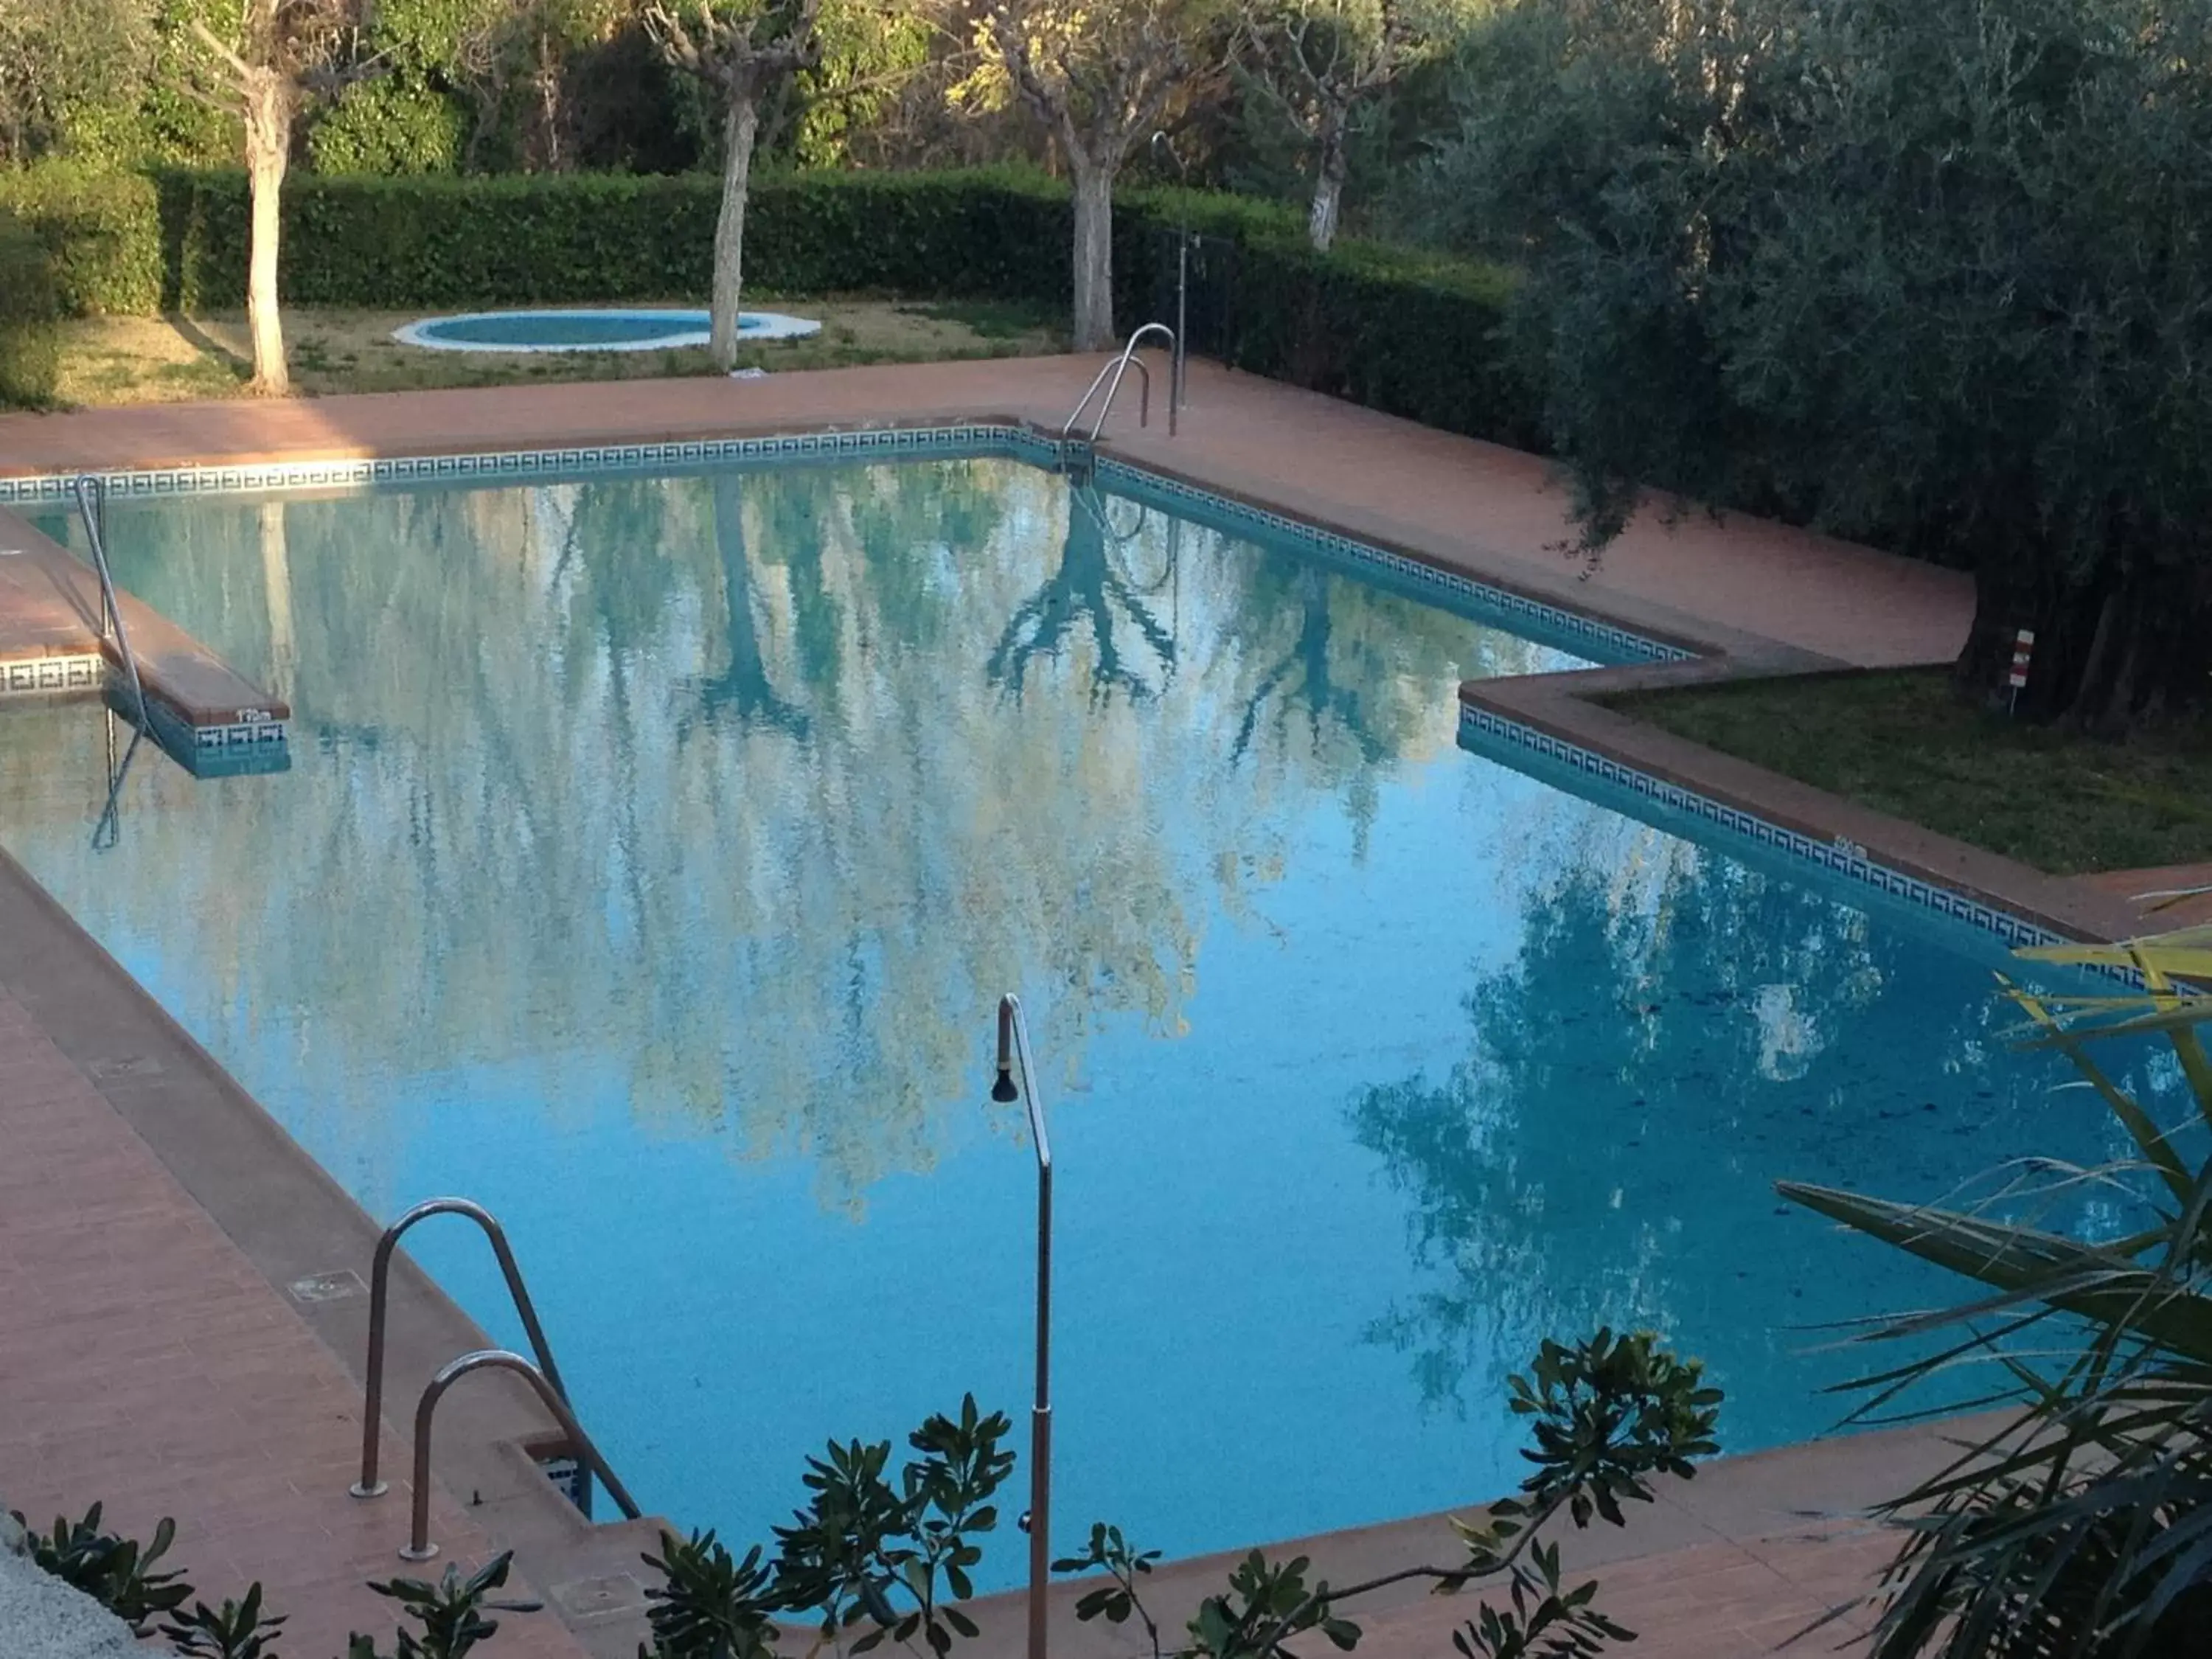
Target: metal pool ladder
[(91, 492), (543, 1377), (1119, 369)]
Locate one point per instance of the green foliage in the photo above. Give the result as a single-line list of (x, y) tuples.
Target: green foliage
[(2079, 1526), (1931, 275), (1607, 1414), (867, 49), (237, 1629), (450, 1612), (117, 1572), (866, 1549), (388, 124), (709, 1605), (866, 1554), (69, 72), (1113, 1554), (101, 232), (30, 318)]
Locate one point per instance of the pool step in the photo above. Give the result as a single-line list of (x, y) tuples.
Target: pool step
[(209, 718)]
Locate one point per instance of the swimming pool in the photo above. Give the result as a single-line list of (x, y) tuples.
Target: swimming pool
[(655, 849), (591, 329)]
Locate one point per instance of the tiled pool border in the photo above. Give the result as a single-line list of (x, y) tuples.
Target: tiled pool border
[(1021, 442), (1839, 856)]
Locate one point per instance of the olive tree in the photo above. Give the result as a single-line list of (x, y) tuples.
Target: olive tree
[(739, 52), (1929, 275), (1099, 78), (1325, 62), (261, 61)]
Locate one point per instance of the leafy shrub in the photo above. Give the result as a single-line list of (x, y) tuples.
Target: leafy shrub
[(30, 313), (1607, 1416), (450, 1612), (120, 1574), (102, 234), (388, 124), (236, 1630), (117, 1572)]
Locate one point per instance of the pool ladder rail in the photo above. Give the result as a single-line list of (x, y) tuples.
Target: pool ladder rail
[(544, 1377), (1118, 370), (90, 491)]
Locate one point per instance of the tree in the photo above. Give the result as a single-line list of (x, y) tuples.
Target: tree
[(1325, 62), (58, 59), (1927, 275), (280, 53), (738, 52), (1100, 78)]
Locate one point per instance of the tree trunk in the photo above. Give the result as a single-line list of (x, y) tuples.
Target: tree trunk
[(2125, 646), (740, 130), (1329, 181), (268, 150), (1094, 254)]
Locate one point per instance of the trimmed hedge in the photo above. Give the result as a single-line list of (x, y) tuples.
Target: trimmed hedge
[(30, 318), (1405, 332)]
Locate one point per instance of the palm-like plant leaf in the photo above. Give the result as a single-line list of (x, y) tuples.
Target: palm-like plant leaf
[(2081, 1524)]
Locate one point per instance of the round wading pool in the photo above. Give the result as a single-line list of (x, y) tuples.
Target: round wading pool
[(589, 330)]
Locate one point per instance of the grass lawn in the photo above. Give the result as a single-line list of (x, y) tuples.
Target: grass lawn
[(136, 360), (1902, 743)]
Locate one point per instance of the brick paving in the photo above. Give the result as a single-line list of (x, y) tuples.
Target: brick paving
[(149, 1360), (147, 1365)]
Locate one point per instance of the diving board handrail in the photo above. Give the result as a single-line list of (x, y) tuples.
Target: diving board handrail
[(91, 492), (1118, 369)]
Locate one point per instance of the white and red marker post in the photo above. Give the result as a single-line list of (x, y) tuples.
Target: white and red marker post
[(2023, 647)]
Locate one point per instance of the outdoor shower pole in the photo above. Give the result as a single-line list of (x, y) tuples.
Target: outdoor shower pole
[(1183, 282), (1014, 1052)]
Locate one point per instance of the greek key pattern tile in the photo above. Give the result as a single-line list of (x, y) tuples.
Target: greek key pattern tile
[(1843, 858), (503, 465), (75, 671)]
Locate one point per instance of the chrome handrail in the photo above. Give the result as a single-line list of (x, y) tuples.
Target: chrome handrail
[(1144, 398), (1014, 1051), (91, 492), (419, 1546), (1118, 368), (379, 1285)]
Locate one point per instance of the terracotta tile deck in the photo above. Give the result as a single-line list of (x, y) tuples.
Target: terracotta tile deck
[(148, 1365), (148, 1357)]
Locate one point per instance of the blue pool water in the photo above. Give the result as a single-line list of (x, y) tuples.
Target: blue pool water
[(655, 851), (577, 329)]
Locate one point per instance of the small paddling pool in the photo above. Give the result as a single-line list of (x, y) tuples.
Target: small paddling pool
[(589, 330)]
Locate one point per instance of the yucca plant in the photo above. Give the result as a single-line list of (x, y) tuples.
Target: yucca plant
[(2081, 1526)]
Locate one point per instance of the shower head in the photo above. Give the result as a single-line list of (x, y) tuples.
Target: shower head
[(1003, 1089)]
